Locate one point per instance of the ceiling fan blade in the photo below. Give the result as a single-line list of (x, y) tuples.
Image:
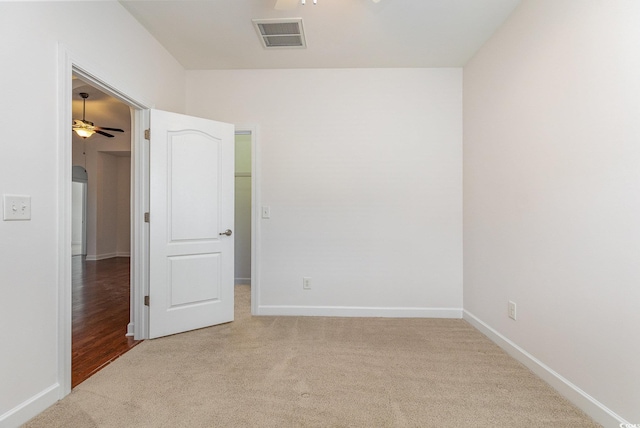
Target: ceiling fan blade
[(103, 133), (286, 4), (109, 129)]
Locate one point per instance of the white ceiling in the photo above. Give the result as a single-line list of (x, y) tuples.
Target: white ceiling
[(218, 34)]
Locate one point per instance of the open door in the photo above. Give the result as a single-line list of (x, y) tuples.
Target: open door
[(191, 203)]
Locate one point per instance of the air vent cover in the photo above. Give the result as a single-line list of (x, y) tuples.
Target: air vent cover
[(280, 33)]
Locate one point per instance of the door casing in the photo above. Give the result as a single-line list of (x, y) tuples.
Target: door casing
[(71, 64)]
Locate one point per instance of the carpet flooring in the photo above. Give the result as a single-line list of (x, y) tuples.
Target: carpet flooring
[(316, 372)]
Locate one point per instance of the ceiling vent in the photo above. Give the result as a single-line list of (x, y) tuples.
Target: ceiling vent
[(280, 33)]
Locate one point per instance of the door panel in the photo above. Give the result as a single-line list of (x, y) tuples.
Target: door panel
[(191, 203), (194, 160), (194, 279)]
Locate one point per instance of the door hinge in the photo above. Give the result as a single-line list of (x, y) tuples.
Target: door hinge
[(147, 134), (146, 300), (146, 217)]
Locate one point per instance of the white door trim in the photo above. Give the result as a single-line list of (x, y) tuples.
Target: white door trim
[(255, 214), (140, 229), (70, 63)]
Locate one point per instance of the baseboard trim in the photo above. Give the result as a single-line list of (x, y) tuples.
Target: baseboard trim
[(130, 329), (592, 407), (96, 257), (27, 410), (93, 258), (242, 281), (356, 311)]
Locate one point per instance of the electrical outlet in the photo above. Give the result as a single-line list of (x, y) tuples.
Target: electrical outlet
[(512, 310), (266, 212), (306, 283)]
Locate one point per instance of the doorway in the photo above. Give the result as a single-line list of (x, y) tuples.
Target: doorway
[(246, 217), (101, 231), (242, 223), (70, 66), (243, 208)]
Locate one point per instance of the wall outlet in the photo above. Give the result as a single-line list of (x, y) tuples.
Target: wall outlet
[(512, 310), (266, 212), (306, 283)]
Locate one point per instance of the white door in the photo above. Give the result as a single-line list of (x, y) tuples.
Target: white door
[(191, 204)]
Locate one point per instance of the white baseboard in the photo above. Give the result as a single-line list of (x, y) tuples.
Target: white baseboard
[(30, 408), (96, 257), (355, 311), (592, 407), (242, 281), (130, 329)]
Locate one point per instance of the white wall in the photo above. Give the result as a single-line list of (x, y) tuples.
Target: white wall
[(551, 186), (106, 205), (362, 171), (123, 232), (29, 165), (108, 165), (112, 207)]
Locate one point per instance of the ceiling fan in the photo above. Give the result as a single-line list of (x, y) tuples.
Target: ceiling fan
[(292, 4), (86, 129)]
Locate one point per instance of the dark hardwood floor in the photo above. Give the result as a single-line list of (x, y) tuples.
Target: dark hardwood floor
[(100, 315)]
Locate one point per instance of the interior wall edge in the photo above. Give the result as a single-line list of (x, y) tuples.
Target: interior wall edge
[(585, 402)]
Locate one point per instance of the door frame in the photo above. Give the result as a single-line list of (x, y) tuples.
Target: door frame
[(70, 64)]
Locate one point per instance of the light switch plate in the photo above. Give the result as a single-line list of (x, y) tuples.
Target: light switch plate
[(17, 207), (266, 212)]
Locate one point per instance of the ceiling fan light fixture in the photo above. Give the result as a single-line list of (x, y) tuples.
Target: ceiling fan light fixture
[(85, 128), (84, 132)]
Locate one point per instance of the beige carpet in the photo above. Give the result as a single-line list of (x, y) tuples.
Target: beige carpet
[(316, 372)]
